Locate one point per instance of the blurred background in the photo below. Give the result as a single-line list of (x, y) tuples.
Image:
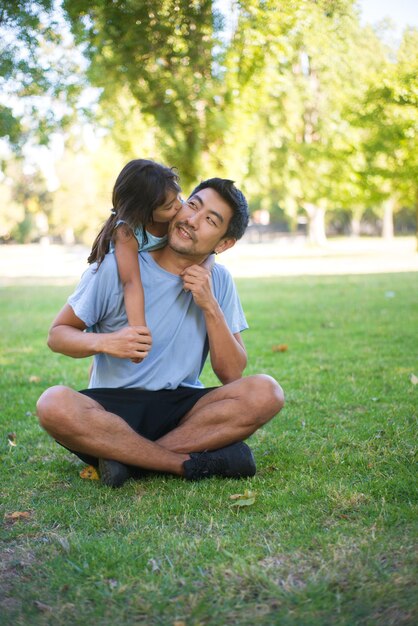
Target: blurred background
[(309, 105)]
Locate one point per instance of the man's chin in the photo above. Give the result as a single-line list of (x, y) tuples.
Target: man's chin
[(185, 252), (179, 249)]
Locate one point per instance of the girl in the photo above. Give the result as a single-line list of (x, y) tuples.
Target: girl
[(145, 198)]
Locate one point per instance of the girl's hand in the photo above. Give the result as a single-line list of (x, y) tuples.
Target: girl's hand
[(131, 342)]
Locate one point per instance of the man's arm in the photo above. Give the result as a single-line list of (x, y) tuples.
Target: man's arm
[(227, 352), (67, 337)]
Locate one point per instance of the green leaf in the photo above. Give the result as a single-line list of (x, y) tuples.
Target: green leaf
[(243, 499)]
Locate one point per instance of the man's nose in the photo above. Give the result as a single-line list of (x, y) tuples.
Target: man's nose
[(191, 218)]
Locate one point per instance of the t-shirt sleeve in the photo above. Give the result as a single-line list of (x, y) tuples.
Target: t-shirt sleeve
[(226, 294), (93, 295)]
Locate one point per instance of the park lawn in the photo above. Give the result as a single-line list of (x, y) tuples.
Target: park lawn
[(331, 537)]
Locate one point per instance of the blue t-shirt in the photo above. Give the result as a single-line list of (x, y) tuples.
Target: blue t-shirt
[(179, 338)]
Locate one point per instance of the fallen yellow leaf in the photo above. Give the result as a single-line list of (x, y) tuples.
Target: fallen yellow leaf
[(243, 499), (89, 473), (34, 379), (282, 347)]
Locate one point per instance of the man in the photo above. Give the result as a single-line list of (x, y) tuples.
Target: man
[(156, 415)]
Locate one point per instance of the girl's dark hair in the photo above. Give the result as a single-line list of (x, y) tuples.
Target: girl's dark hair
[(140, 188)]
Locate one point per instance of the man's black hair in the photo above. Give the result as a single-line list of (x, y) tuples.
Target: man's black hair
[(236, 200)]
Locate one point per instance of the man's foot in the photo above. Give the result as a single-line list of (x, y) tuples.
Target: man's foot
[(234, 461), (113, 473)]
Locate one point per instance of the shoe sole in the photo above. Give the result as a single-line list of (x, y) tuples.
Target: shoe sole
[(112, 473)]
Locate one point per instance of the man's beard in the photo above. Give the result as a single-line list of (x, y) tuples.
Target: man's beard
[(178, 246)]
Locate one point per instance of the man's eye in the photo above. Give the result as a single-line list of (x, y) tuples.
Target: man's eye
[(211, 221)]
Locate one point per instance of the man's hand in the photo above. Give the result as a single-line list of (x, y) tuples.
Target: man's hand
[(196, 279), (131, 342)]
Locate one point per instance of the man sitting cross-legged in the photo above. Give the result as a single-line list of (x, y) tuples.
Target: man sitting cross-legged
[(156, 415)]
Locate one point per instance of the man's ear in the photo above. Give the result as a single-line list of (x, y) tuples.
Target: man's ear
[(224, 244)]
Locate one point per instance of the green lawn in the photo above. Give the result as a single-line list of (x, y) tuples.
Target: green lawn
[(332, 535)]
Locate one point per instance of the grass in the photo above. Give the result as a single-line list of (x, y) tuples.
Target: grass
[(332, 535)]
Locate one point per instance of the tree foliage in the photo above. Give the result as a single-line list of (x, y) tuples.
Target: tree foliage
[(309, 111), (162, 53), (38, 66)]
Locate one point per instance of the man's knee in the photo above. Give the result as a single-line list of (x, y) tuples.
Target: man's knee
[(267, 395), (50, 407)]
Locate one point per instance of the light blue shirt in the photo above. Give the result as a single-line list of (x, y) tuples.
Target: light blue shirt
[(179, 338)]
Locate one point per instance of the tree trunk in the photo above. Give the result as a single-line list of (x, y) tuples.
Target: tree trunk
[(68, 237), (387, 226), (355, 226), (316, 224), (416, 217)]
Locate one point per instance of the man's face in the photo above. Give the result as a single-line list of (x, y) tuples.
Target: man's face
[(199, 227)]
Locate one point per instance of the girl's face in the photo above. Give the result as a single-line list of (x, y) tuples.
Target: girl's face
[(168, 210)]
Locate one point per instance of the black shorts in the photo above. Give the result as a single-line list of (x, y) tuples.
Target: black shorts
[(151, 414)]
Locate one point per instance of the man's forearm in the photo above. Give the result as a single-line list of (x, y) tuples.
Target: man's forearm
[(74, 342), (228, 357), (130, 342)]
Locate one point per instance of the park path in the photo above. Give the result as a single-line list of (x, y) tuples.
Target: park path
[(45, 263)]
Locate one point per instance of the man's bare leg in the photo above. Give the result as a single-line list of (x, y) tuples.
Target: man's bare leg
[(225, 415), (82, 424)]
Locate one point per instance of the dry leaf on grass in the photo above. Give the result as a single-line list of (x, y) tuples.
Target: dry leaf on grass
[(413, 379), (34, 379), (16, 516), (11, 439), (89, 473), (44, 608), (281, 347)]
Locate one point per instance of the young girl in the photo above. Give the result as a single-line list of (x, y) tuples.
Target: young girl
[(145, 198)]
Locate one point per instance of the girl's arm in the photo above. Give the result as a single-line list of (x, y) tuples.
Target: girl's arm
[(126, 251)]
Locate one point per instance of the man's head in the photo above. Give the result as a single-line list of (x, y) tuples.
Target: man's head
[(212, 219), (236, 200)]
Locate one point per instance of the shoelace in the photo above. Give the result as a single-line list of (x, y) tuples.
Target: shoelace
[(208, 464)]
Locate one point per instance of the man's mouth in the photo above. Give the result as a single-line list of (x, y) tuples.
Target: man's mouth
[(184, 232)]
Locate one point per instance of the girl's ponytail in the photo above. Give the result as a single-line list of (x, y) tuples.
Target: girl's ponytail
[(102, 242)]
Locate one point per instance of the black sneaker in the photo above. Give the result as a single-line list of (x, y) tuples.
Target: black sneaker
[(234, 461), (113, 473)]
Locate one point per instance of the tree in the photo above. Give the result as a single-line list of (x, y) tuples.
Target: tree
[(39, 72), (288, 70), (25, 215), (162, 53), (389, 121), (81, 203)]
